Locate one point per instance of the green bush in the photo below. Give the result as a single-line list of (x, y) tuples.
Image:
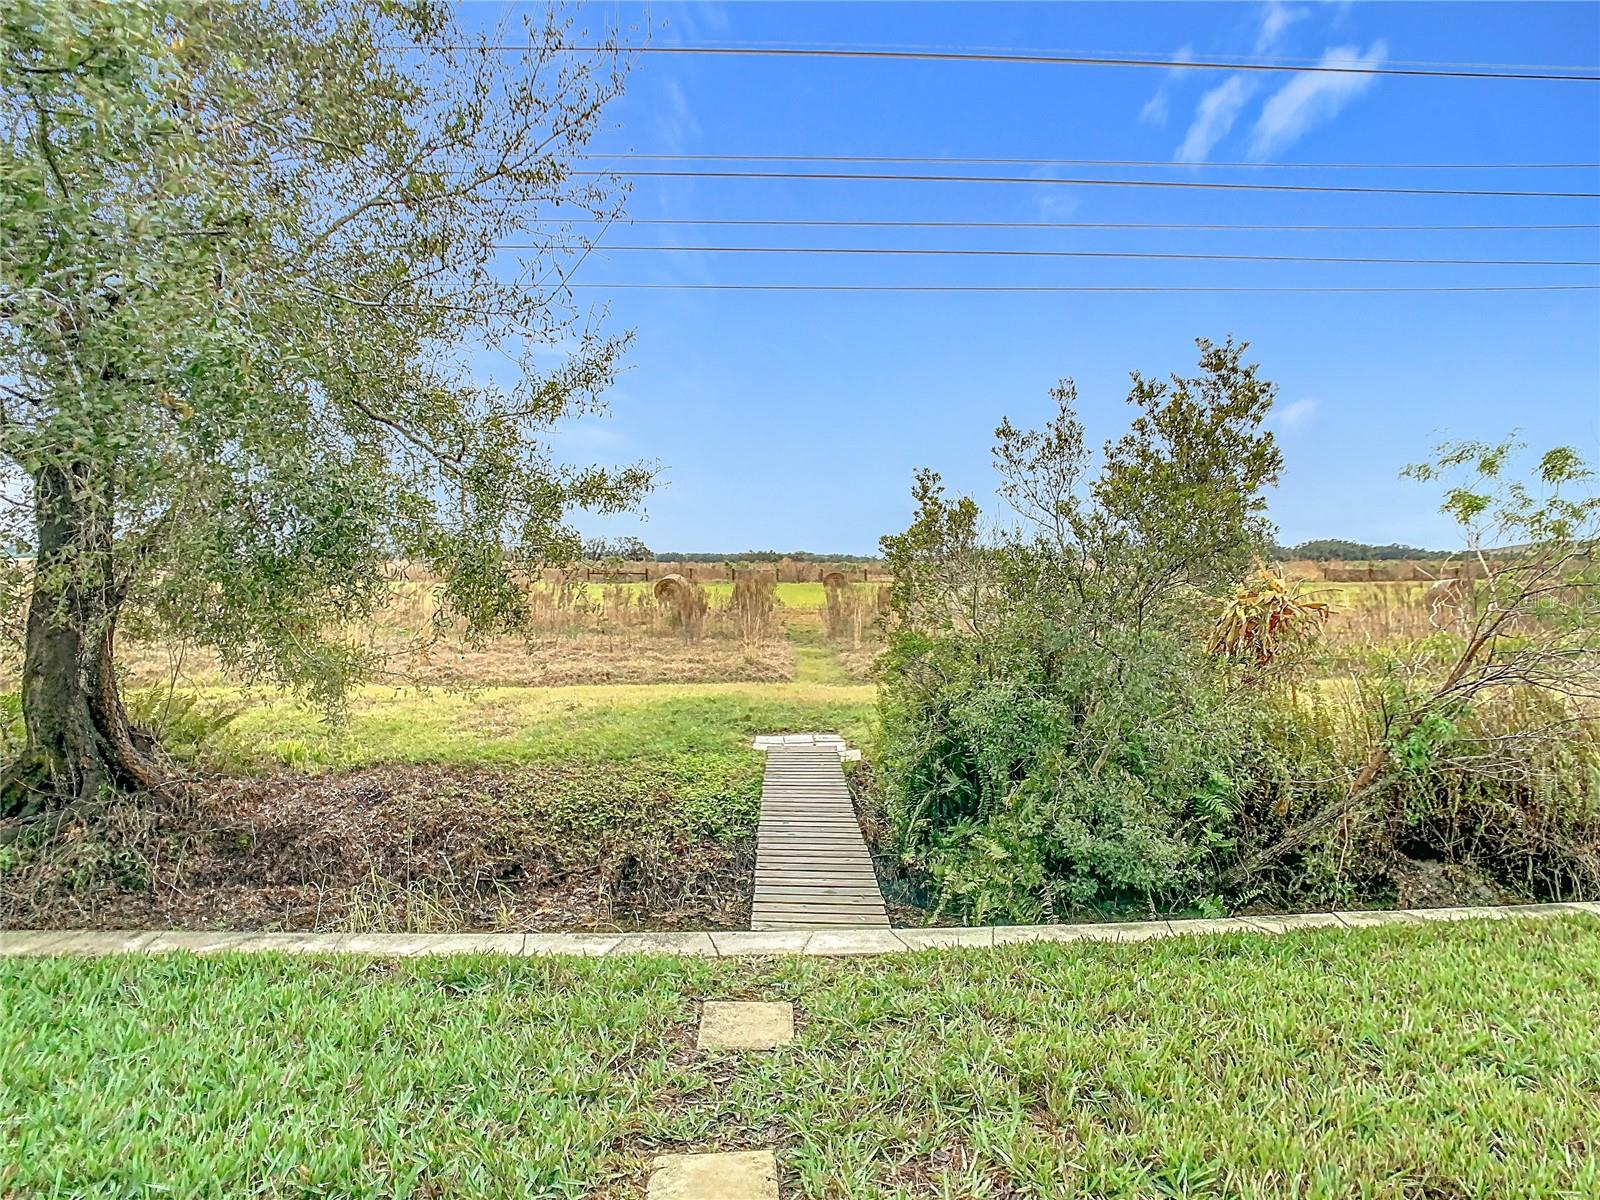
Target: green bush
[(1061, 734)]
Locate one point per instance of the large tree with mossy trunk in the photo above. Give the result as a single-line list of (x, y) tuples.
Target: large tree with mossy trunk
[(249, 257)]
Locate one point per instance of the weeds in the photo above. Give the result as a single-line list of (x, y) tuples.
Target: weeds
[(850, 612), (752, 607)]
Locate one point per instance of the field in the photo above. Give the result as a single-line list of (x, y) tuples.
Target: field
[(597, 776), (586, 633), (1401, 1062)]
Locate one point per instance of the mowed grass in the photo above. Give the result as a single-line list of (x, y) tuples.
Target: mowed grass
[(532, 725), (1422, 1061)]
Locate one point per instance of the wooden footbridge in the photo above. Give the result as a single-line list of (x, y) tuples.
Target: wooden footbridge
[(812, 865)]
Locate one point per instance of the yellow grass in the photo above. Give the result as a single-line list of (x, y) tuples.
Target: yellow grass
[(790, 595), (1383, 614)]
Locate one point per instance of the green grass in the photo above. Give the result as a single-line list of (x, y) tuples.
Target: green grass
[(815, 659), (1422, 1061), (532, 725)]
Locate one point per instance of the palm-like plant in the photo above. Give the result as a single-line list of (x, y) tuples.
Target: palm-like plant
[(1261, 617)]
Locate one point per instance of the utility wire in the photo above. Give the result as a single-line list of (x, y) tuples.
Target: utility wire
[(1289, 60), (1133, 254), (631, 155), (875, 287), (1187, 184), (822, 223), (1022, 58), (1275, 59)]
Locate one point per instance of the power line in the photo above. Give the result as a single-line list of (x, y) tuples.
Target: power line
[(1186, 184), (1290, 60), (1018, 58), (1020, 288), (822, 223), (631, 155), (1130, 254), (1277, 59)]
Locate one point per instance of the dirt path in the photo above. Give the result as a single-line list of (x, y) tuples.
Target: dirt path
[(816, 659)]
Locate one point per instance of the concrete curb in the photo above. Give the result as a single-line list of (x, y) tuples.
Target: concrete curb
[(822, 943)]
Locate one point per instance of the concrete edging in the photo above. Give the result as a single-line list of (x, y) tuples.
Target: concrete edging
[(725, 943)]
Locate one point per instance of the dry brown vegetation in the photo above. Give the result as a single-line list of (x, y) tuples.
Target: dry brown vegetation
[(850, 614), (403, 848), (580, 633)]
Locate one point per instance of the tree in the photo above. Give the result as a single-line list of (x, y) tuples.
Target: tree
[(1531, 624), (249, 254), (628, 549), (1336, 550), (1054, 731)]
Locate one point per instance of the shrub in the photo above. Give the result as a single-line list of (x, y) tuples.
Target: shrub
[(1068, 724)]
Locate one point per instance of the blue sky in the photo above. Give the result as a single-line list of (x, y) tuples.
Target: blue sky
[(796, 420)]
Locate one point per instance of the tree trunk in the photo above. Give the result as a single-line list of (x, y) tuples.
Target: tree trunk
[(79, 742)]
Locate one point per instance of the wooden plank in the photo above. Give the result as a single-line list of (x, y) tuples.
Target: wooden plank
[(838, 879), (804, 911), (812, 864), (800, 919)]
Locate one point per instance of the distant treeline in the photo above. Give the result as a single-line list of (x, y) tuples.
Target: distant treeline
[(1318, 550), (763, 556), (1337, 550)]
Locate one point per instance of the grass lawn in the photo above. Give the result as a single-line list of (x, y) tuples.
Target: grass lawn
[(530, 724), (1426, 1061)]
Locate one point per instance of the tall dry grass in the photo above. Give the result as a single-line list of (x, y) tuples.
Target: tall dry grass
[(1393, 615), (685, 608), (752, 607), (561, 606), (850, 611)]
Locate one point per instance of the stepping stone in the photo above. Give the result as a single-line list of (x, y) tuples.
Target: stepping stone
[(742, 1175), (745, 1025)]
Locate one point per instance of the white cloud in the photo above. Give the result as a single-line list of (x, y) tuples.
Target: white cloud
[(1310, 98), (1054, 203), (1274, 20), (1213, 117), (676, 124), (1155, 109), (1295, 415), (697, 23)]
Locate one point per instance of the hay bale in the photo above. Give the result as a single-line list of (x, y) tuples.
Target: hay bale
[(671, 588), (835, 579)]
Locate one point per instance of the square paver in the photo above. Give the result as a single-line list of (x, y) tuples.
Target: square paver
[(745, 1025), (741, 1175)]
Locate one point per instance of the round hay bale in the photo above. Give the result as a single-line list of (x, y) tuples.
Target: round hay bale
[(670, 587), (835, 579)]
